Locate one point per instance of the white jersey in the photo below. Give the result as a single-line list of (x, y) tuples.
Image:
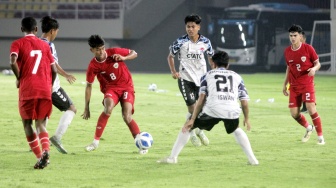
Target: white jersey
[(57, 83), (191, 56), (223, 89)]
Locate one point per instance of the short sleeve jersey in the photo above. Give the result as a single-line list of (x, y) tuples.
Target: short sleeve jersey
[(57, 82), (223, 89), (34, 62), (191, 56), (110, 73), (299, 61)]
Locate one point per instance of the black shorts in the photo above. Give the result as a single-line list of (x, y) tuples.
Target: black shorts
[(205, 122), (61, 100), (189, 91)]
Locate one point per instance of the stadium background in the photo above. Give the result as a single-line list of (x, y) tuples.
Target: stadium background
[(147, 26)]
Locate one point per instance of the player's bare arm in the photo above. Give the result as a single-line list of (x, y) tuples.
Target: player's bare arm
[(131, 55), (88, 90), (198, 107), (245, 108), (15, 69), (70, 78), (317, 66), (171, 64), (284, 87)]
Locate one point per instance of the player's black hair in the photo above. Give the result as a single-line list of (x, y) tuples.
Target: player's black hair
[(96, 41), (28, 24), (295, 28), (48, 23), (221, 59), (193, 18)]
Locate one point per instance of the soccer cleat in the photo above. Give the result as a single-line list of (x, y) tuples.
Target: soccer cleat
[(91, 147), (309, 131), (57, 143), (168, 160), (195, 141), (43, 161), (253, 163), (320, 141), (204, 139), (304, 110), (143, 151)]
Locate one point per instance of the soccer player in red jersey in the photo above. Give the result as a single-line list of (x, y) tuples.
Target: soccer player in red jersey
[(115, 83), (35, 71), (302, 63)]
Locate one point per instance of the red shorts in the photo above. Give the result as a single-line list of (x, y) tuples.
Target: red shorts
[(35, 108), (120, 95), (299, 94)]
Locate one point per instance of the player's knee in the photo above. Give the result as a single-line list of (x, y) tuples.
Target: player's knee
[(73, 108), (127, 117)]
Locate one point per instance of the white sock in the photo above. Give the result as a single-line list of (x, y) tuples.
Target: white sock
[(181, 141), (64, 123), (95, 142), (244, 143)]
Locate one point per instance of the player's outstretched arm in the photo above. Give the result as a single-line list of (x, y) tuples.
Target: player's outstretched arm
[(70, 78)]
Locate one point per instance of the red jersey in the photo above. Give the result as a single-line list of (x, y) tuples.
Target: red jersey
[(34, 62), (110, 73), (299, 61)]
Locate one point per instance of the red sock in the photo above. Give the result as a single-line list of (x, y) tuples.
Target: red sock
[(34, 145), (302, 121), (44, 140), (101, 124), (317, 123), (134, 128)]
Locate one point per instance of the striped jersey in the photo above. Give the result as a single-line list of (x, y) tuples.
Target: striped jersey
[(191, 56)]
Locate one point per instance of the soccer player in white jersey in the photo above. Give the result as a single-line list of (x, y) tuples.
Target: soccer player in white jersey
[(60, 99), (218, 101), (190, 49)]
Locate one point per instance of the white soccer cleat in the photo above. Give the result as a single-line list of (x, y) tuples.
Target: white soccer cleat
[(201, 135), (168, 160), (309, 131), (143, 151), (253, 163), (320, 141), (91, 147), (194, 139)]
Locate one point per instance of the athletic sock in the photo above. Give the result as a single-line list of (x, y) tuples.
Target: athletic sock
[(302, 121), (244, 143), (101, 124), (317, 123), (44, 140), (64, 123), (34, 145), (134, 128), (181, 141)]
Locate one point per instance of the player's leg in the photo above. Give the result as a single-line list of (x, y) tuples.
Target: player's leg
[(43, 111), (231, 126), (295, 100), (316, 121), (26, 109), (109, 104), (62, 101), (202, 122), (127, 108)]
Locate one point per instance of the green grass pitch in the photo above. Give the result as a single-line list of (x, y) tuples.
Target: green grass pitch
[(275, 137)]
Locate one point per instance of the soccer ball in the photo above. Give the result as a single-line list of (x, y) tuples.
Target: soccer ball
[(143, 140)]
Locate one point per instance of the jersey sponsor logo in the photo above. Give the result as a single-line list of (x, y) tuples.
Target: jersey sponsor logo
[(102, 72), (116, 65), (194, 56), (303, 58), (290, 61)]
